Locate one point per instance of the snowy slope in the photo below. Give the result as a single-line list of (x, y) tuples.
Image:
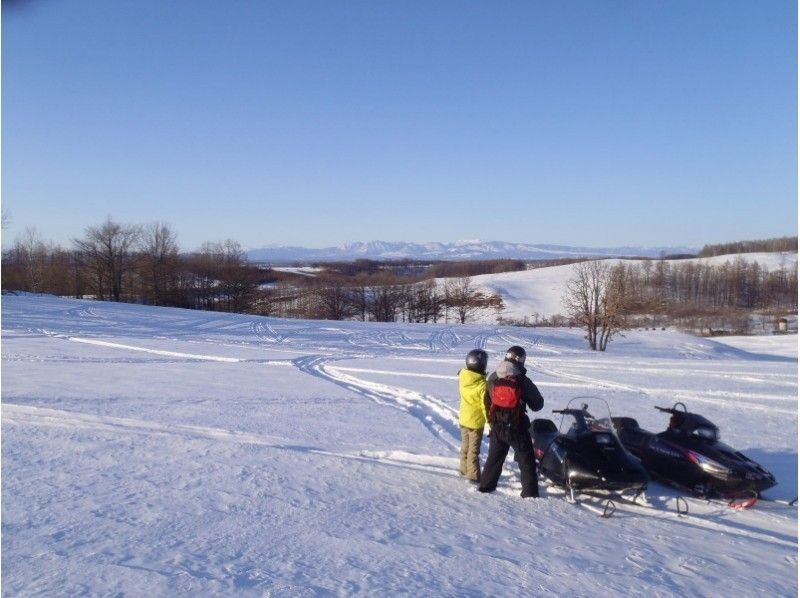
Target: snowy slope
[(154, 451), (769, 261), (540, 291)]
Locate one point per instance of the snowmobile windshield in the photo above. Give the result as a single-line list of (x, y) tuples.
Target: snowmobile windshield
[(588, 415)]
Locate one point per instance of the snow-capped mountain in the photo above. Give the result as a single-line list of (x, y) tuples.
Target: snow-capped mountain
[(459, 250)]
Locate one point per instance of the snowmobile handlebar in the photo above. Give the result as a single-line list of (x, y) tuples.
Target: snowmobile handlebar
[(584, 410), (574, 412), (674, 409)]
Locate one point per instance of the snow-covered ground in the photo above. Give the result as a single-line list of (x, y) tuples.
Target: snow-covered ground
[(152, 451), (539, 292), (302, 270)]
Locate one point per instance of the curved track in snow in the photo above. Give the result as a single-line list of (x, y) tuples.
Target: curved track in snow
[(434, 414)]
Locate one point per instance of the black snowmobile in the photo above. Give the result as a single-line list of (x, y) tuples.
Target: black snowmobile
[(586, 456), (690, 455)]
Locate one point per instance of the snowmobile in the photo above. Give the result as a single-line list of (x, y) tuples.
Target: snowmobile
[(689, 454), (586, 455)]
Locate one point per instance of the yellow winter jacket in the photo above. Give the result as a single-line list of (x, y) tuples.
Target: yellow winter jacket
[(472, 388)]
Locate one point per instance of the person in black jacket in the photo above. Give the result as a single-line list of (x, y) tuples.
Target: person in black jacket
[(510, 425)]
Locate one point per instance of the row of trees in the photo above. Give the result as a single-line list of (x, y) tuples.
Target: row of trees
[(763, 245), (605, 299), (142, 264), (428, 269), (384, 299), (663, 287)]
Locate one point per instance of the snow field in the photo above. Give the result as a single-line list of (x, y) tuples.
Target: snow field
[(162, 451)]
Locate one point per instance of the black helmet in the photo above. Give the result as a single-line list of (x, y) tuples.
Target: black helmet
[(477, 359), (516, 354)]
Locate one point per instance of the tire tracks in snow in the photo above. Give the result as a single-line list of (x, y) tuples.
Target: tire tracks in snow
[(111, 345), (442, 340), (679, 369), (266, 333), (438, 417), (592, 382)]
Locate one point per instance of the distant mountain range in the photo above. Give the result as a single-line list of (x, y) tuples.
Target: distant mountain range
[(459, 250)]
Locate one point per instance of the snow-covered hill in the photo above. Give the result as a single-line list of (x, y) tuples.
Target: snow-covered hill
[(460, 250), (155, 451), (539, 291)]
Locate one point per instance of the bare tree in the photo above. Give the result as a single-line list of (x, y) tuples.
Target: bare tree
[(595, 298), (159, 261), (236, 281), (462, 296), (425, 303), (385, 300), (359, 296), (31, 256), (107, 254), (335, 300)]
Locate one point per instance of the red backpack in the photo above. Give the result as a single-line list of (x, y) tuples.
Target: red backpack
[(506, 393)]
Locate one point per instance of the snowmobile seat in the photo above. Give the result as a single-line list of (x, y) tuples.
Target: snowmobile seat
[(543, 426), (625, 424)]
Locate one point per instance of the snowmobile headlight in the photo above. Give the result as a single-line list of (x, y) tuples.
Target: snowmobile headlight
[(705, 432), (708, 465), (602, 438)]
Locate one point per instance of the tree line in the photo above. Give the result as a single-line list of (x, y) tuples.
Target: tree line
[(763, 245), (142, 264), (383, 298), (426, 269), (133, 263), (664, 287), (605, 298)]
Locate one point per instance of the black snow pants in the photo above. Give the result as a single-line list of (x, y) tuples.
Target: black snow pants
[(499, 443)]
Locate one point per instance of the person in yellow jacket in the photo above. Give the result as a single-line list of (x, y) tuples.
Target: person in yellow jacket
[(472, 412)]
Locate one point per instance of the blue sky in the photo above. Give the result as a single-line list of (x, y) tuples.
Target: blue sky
[(599, 123)]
